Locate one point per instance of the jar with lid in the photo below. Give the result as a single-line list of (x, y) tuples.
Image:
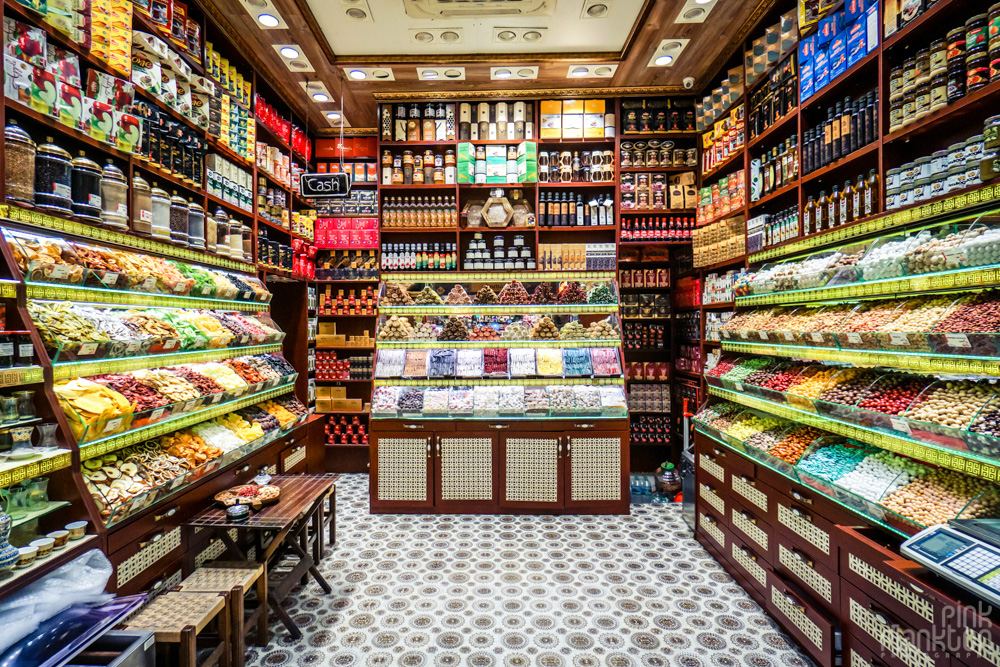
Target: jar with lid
[(178, 220), (896, 84), (977, 71), (114, 198), (922, 167), (956, 44), (910, 107), (956, 80), (892, 178), (939, 184), (939, 162), (211, 233), (247, 243), (993, 23), (938, 58), (976, 35), (923, 66), (974, 147), (236, 240), (939, 91), (922, 107), (956, 154), (891, 199), (449, 158), (994, 58), (221, 232), (956, 178), (991, 133), (19, 164), (989, 165), (196, 226), (909, 74), (161, 213), (142, 206), (907, 174), (922, 189), (896, 114), (53, 178), (972, 172), (86, 187), (907, 196)]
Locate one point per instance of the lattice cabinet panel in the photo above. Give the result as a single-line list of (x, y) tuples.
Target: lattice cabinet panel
[(402, 469), (531, 470), (595, 468), (466, 467)]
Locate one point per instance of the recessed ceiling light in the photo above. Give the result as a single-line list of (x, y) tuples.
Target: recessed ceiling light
[(289, 52), (603, 71), (430, 74), (321, 97), (380, 74), (506, 35), (423, 36), (298, 64), (702, 2), (525, 71), (693, 14), (502, 74), (260, 4), (449, 36), (358, 75), (268, 21), (579, 71), (452, 73), (601, 9), (357, 14), (664, 60), (532, 36), (333, 115)]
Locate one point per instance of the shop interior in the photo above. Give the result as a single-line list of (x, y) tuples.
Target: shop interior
[(500, 332)]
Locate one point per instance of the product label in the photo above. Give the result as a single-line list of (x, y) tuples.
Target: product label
[(789, 336), (170, 343), (897, 338), (112, 424), (215, 398), (110, 278), (94, 200), (6, 349), (763, 335), (744, 335), (146, 216), (122, 209), (156, 414), (133, 347), (816, 337), (149, 284), (58, 271), (738, 386), (62, 190), (246, 296), (900, 425), (25, 350), (87, 349), (958, 340)]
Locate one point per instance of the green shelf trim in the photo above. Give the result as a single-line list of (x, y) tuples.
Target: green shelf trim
[(8, 289), (122, 298), (15, 377), (485, 344), (916, 361), (867, 517), (40, 219), (494, 276), (15, 471), (909, 216), (566, 309), (967, 279), (498, 382), (72, 369), (964, 462), (135, 436)]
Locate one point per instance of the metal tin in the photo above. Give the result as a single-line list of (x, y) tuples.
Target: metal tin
[(114, 198), (922, 189), (238, 512), (974, 147), (907, 174), (939, 184)]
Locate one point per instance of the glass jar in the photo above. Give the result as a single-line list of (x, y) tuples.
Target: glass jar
[(939, 91), (53, 178), (909, 75), (956, 80), (114, 198), (989, 165), (196, 226), (991, 133), (25, 404), (922, 189), (24, 352), (86, 186), (178, 220), (236, 240), (939, 184), (211, 233), (910, 107), (19, 164), (221, 232), (956, 177), (922, 106), (972, 172), (906, 196), (974, 147), (939, 162), (142, 206), (976, 37), (923, 67), (896, 84), (247, 234), (922, 167), (939, 57), (891, 199), (956, 155), (907, 174), (956, 45), (161, 214), (993, 22), (977, 72), (892, 178), (994, 58)]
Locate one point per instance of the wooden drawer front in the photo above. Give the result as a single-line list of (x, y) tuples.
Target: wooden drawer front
[(901, 599), (813, 630), (804, 527), (293, 459), (710, 465), (466, 468), (886, 634), (724, 458), (752, 568), (147, 556), (822, 584), (710, 526), (752, 492), (710, 497), (751, 528), (981, 645)]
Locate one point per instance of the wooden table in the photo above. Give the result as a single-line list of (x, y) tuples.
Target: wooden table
[(277, 531)]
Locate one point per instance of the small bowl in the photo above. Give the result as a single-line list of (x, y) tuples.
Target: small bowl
[(26, 556), (45, 546), (77, 529), (60, 536)]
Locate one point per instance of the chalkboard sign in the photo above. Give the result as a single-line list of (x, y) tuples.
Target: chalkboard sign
[(324, 186)]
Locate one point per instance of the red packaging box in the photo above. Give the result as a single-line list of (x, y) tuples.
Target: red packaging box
[(371, 172), (321, 167)]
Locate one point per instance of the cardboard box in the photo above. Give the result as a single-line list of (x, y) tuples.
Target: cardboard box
[(323, 404), (690, 196), (806, 89), (551, 119), (838, 55), (856, 43), (807, 49), (338, 392), (593, 125), (329, 340), (329, 328), (676, 196), (829, 27), (347, 404), (593, 106), (572, 126), (572, 107), (821, 69), (871, 26), (323, 392)]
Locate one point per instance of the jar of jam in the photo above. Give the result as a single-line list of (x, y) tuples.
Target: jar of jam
[(19, 164), (86, 187), (178, 220), (956, 80), (922, 189), (991, 133), (221, 232), (956, 44), (896, 84), (976, 37), (53, 178), (994, 57), (161, 214), (977, 72), (909, 75), (939, 91), (114, 198), (993, 23), (923, 67), (956, 178), (196, 225), (142, 206), (438, 175), (449, 158), (956, 155), (939, 57)]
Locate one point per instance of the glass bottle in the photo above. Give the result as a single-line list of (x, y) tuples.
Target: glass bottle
[(808, 216), (846, 199), (871, 205), (833, 208), (821, 221)]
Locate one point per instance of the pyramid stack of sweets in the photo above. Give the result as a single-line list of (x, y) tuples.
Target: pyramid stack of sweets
[(485, 296), (545, 330), (514, 294), (573, 330), (602, 330), (424, 331), (571, 293), (395, 328), (428, 297), (516, 331), (458, 297), (396, 295), (543, 295), (454, 329)]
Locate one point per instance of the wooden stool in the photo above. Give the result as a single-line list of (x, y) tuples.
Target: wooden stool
[(178, 618), (235, 579)]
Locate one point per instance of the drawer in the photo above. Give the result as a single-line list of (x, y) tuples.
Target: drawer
[(818, 581), (755, 574), (708, 525), (163, 519), (810, 626), (144, 560), (712, 494), (751, 492), (865, 554), (752, 528), (413, 426), (805, 527), (293, 459), (712, 452), (807, 496), (895, 642)]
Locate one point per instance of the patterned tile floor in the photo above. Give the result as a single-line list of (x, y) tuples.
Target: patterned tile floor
[(522, 591)]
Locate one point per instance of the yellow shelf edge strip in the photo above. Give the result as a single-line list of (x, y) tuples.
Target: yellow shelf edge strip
[(29, 469), (499, 382)]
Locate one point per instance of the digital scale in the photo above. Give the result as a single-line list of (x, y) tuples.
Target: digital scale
[(966, 552)]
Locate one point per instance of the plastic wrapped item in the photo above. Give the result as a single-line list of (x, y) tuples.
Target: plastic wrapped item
[(536, 402), (576, 362), (606, 361), (521, 361), (561, 401), (613, 403), (436, 401), (415, 365), (512, 401), (45, 259), (469, 363), (385, 401), (549, 362), (486, 401), (587, 399), (390, 363), (441, 364), (460, 401), (411, 401)]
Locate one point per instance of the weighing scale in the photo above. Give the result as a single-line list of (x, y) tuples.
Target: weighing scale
[(966, 552)]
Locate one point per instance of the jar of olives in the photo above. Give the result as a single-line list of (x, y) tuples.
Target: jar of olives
[(19, 163), (142, 206), (86, 187), (114, 198), (53, 178)]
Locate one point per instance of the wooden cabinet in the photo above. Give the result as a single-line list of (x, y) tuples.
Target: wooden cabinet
[(508, 468)]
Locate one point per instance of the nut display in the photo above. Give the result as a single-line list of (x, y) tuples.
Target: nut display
[(603, 330), (978, 314), (545, 330), (485, 296), (411, 399), (942, 495), (953, 404), (427, 297), (601, 294)]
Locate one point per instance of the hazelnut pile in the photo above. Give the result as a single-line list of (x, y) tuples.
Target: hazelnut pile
[(454, 329), (458, 297), (395, 328), (428, 297), (545, 330), (941, 495), (514, 294), (485, 296), (396, 295)]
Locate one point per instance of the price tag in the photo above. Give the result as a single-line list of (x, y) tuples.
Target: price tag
[(156, 414), (744, 335), (763, 335), (112, 425), (900, 425), (188, 406), (816, 337), (957, 340), (246, 296), (110, 278), (133, 347), (738, 386), (180, 287), (25, 350), (149, 284), (215, 398), (170, 343), (789, 336), (725, 334), (6, 349), (243, 340), (897, 338), (854, 338), (87, 349), (58, 271)]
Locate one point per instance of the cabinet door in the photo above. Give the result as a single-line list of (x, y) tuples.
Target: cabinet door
[(400, 477), (530, 471), (465, 471), (596, 473)]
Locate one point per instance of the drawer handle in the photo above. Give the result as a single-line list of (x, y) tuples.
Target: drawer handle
[(584, 425), (917, 589), (157, 584), (244, 469), (719, 453), (801, 498), (801, 515), (748, 554), (153, 540), (802, 557), (795, 603), (749, 482), (412, 426), (498, 426), (748, 518), (166, 515)]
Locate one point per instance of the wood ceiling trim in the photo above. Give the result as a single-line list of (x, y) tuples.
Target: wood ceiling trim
[(735, 42), (328, 132), (435, 60), (616, 91), (316, 30)]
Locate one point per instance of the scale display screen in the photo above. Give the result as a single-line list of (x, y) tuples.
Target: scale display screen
[(960, 557), (940, 546)]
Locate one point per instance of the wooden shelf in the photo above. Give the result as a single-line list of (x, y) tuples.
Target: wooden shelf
[(216, 145), (419, 186), (775, 128), (402, 144), (654, 243), (657, 211), (592, 228), (923, 24), (232, 208), (270, 136), (640, 136), (490, 186), (140, 22), (156, 173), (980, 102), (583, 140), (834, 86), (279, 228), (274, 181), (602, 184), (418, 230), (780, 192), (661, 170), (345, 315), (841, 163), (53, 127), (732, 160), (717, 306)]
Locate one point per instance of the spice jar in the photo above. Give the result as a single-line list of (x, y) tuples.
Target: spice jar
[(114, 198), (19, 164), (977, 72), (247, 234), (86, 186), (221, 232), (236, 240), (142, 206), (178, 220), (53, 179), (896, 84), (938, 57), (196, 225)]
